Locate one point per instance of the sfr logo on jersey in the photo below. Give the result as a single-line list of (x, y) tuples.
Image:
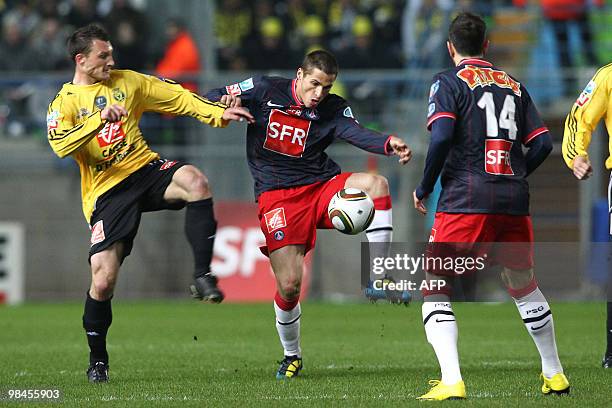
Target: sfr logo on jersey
[(286, 134), (497, 157), (110, 133)]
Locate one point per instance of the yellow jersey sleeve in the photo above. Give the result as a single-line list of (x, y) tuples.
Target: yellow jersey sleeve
[(167, 96), (64, 135), (587, 111)]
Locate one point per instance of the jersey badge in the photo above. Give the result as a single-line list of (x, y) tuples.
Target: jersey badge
[(275, 219), (118, 95), (348, 113), (100, 102)]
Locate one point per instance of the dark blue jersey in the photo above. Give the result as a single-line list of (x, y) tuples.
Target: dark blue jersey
[(494, 117), (286, 144)]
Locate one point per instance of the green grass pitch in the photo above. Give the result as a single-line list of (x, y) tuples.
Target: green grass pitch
[(170, 353)]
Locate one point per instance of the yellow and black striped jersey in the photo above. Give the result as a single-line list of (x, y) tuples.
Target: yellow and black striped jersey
[(107, 152), (594, 103)]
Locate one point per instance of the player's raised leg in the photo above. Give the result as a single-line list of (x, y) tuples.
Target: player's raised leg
[(288, 263), (442, 333), (377, 187), (98, 315), (190, 185), (538, 319), (380, 231)]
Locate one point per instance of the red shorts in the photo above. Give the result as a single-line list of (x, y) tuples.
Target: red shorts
[(501, 239), (291, 216)]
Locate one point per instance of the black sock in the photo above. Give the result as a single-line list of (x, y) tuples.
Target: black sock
[(609, 328), (97, 318), (200, 228)]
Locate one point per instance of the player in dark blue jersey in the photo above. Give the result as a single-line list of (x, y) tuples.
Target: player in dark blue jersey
[(295, 121), (480, 120)]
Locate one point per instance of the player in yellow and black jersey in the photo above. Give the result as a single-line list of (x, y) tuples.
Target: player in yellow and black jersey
[(94, 119), (593, 104)]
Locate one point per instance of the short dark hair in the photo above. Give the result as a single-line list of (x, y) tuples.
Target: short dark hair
[(467, 33), (321, 59), (81, 40)]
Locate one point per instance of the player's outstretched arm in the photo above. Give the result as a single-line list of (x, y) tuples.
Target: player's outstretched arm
[(238, 114), (400, 148)]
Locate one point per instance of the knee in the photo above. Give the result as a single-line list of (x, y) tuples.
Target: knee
[(103, 281), (378, 186), (197, 185), (289, 288), (517, 279)]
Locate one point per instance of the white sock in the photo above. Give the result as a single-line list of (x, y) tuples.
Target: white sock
[(380, 233), (442, 333), (538, 320), (288, 327), (381, 229)]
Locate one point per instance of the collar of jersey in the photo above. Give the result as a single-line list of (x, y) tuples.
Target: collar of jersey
[(82, 87), (475, 61), (294, 93)]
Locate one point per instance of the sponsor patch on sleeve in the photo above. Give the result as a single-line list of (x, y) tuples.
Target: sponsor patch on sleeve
[(431, 109), (434, 89), (233, 89), (348, 113), (246, 85), (585, 96), (52, 119)]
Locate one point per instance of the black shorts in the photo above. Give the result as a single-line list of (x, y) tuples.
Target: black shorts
[(117, 212)]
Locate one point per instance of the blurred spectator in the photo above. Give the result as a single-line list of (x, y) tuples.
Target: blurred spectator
[(181, 56), (312, 33), (424, 33), (81, 13), (24, 16), (233, 21), (561, 13), (365, 53), (387, 20), (268, 48), (128, 29), (341, 15), (49, 40), (180, 59), (17, 56), (49, 8)]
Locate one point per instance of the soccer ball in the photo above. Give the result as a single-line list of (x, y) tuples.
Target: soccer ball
[(351, 211)]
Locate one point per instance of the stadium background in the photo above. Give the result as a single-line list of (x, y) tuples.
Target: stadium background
[(388, 51)]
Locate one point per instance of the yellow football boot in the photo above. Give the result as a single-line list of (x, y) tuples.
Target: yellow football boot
[(440, 391), (557, 384)]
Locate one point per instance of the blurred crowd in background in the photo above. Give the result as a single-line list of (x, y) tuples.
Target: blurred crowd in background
[(268, 34), (546, 39)]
